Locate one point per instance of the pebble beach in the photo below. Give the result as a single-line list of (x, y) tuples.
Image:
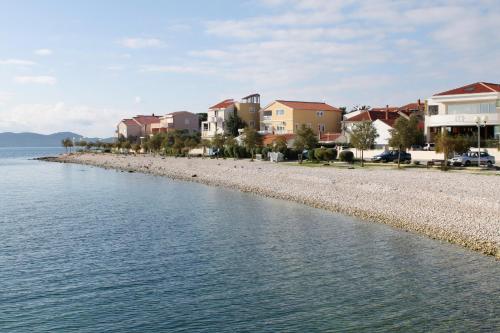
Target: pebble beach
[(460, 208)]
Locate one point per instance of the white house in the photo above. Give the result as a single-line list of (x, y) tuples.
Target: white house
[(383, 120), (458, 110)]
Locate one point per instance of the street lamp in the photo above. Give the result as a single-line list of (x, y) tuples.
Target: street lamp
[(480, 122)]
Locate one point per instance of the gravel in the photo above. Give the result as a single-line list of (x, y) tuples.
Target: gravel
[(460, 208)]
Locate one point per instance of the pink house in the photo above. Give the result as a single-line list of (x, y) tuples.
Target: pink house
[(138, 126), (179, 120)]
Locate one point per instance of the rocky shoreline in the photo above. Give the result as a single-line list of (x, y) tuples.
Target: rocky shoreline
[(462, 209)]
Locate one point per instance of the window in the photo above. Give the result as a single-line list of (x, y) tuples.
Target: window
[(472, 108), (267, 115), (433, 110), (251, 123), (280, 129), (321, 128), (319, 113), (252, 109), (280, 112)]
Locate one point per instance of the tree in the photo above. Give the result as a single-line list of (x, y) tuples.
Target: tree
[(155, 142), (233, 124), (305, 139), (251, 139), (136, 147), (280, 144), (404, 134), (66, 143), (363, 137), (232, 146), (218, 142), (448, 145)]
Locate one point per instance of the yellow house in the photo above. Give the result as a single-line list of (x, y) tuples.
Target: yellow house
[(286, 117)]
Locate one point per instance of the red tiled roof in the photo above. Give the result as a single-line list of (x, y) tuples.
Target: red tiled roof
[(224, 104), (312, 106), (372, 115), (329, 136), (146, 120), (412, 106), (390, 109), (130, 122), (474, 88), (268, 139), (389, 122)]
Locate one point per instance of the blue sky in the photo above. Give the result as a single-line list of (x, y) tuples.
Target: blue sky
[(84, 65)]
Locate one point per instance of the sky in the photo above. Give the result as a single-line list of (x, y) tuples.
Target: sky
[(82, 66)]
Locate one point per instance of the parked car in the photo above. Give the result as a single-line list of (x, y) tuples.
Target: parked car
[(429, 146), (416, 147), (470, 158), (392, 156)]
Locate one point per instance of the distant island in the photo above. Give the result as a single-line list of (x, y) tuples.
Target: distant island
[(9, 139)]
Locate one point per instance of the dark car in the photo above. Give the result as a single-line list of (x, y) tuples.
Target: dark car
[(392, 156)]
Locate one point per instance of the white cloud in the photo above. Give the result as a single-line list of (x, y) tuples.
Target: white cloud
[(140, 43), (59, 117), (42, 79), (17, 62), (5, 96), (115, 68), (175, 69), (350, 45), (43, 52)]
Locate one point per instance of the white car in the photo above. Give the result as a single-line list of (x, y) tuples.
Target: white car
[(471, 158)]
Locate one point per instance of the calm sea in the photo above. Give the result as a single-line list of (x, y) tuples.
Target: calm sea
[(84, 249)]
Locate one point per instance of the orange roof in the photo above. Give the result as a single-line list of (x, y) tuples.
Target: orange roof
[(224, 104), (313, 106), (372, 115), (146, 120), (326, 137), (130, 122), (268, 139), (474, 88)]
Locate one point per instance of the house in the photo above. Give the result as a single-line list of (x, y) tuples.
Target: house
[(286, 117), (458, 110), (383, 120), (218, 115), (138, 126), (179, 120)]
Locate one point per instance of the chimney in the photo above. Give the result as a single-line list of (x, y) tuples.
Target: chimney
[(387, 112)]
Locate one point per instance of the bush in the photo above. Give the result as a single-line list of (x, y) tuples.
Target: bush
[(346, 156), (310, 155), (264, 153), (319, 154), (330, 154), (258, 150)]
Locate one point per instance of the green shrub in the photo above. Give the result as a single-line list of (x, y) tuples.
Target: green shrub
[(319, 154), (330, 154), (346, 156), (310, 155), (264, 152), (258, 150)]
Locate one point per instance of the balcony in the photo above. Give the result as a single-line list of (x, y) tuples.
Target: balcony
[(460, 119)]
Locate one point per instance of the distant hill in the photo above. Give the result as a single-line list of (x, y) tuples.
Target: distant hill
[(9, 139)]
